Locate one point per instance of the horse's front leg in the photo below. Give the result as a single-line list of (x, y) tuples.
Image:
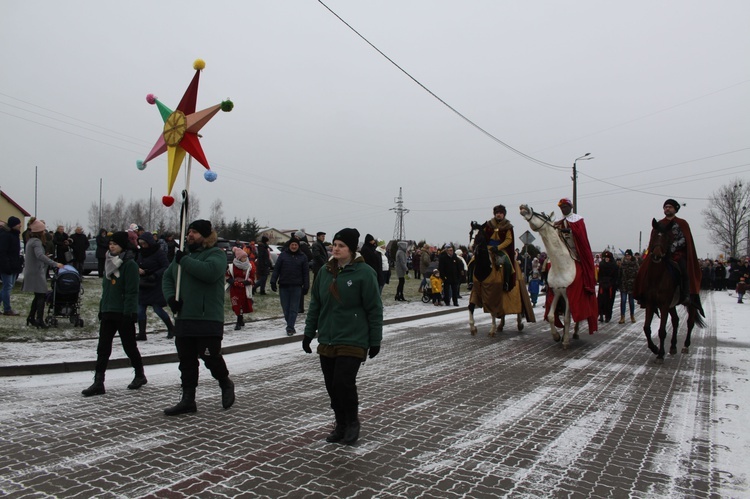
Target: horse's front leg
[(472, 327), (502, 324), (493, 329), (647, 329), (675, 328), (551, 318), (566, 325), (662, 336), (520, 322)]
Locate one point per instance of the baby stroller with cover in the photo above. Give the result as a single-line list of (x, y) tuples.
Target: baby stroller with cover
[(65, 298), (427, 292)]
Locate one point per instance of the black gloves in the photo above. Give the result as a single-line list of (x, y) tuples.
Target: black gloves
[(273, 287), (374, 350), (174, 305), (306, 344), (248, 282), (230, 280), (178, 256), (305, 290)]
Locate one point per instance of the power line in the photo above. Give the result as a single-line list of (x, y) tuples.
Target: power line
[(462, 116)]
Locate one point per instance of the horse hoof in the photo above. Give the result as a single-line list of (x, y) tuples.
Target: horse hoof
[(473, 331), (685, 350), (565, 346), (672, 351), (491, 334), (520, 326), (556, 336)]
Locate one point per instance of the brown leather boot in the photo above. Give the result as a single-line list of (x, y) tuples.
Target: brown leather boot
[(632, 318), (622, 320)]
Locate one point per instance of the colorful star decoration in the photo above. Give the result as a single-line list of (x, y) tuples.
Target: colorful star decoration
[(180, 134)]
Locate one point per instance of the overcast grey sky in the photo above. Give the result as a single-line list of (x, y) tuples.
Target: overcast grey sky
[(325, 130)]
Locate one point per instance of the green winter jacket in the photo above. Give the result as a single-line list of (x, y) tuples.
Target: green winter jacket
[(354, 320), (120, 294), (201, 284)]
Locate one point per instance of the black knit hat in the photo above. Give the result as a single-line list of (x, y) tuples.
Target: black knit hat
[(673, 203), (13, 221), (121, 239), (202, 227), (350, 237), (628, 252)]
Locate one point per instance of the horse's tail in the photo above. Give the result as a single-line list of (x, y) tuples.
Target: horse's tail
[(699, 321)]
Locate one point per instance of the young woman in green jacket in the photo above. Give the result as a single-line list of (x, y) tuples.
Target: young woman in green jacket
[(346, 312)]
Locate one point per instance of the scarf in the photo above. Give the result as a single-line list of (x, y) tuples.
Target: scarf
[(240, 264), (112, 265)]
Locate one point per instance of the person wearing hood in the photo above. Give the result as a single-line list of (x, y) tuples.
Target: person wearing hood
[(240, 280), (292, 273), (402, 269), (373, 258), (152, 263), (198, 307), (118, 311), (10, 260), (35, 272), (346, 314), (304, 248)]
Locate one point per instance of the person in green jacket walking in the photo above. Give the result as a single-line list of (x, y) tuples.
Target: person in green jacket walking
[(199, 313), (118, 312), (346, 312)]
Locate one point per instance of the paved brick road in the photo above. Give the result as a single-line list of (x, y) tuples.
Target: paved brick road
[(444, 415)]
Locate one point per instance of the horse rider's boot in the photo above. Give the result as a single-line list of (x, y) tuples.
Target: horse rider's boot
[(351, 433), (622, 320), (227, 392), (185, 405), (139, 380), (632, 318), (170, 329), (141, 336), (97, 388)]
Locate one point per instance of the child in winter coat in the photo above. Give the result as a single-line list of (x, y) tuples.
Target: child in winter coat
[(436, 283), (741, 288), (240, 279), (535, 284)]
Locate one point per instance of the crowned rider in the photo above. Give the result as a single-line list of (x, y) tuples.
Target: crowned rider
[(582, 292)]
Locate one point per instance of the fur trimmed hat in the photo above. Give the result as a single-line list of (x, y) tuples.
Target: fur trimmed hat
[(499, 209), (202, 227), (672, 203), (350, 237)]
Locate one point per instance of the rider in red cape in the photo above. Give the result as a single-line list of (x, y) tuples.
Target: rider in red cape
[(683, 253), (582, 292)]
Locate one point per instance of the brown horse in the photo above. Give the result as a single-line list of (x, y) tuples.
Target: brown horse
[(658, 286)]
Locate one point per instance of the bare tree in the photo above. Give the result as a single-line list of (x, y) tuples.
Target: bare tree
[(727, 218), (216, 212)]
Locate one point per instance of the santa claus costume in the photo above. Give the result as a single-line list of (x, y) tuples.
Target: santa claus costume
[(240, 279)]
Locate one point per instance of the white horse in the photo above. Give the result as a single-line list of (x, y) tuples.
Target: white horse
[(562, 273)]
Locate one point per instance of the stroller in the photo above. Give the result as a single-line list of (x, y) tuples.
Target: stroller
[(65, 298), (427, 292)]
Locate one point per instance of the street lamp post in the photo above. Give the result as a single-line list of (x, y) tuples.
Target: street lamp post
[(575, 180)]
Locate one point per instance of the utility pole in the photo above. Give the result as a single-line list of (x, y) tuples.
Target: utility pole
[(399, 233)]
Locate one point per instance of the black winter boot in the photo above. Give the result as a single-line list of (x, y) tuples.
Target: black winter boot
[(139, 380), (97, 388), (227, 392), (337, 435), (170, 328), (351, 433), (141, 336), (185, 405), (240, 323)]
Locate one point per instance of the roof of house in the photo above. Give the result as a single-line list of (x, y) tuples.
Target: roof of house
[(7, 198)]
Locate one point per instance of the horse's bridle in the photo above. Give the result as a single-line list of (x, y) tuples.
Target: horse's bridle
[(545, 219)]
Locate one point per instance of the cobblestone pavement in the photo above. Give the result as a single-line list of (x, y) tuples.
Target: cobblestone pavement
[(444, 414)]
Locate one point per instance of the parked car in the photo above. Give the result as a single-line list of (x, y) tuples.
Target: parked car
[(91, 264), (275, 252)]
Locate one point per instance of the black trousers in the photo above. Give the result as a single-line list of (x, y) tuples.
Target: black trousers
[(340, 374), (36, 311), (107, 330), (192, 348), (400, 287)]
